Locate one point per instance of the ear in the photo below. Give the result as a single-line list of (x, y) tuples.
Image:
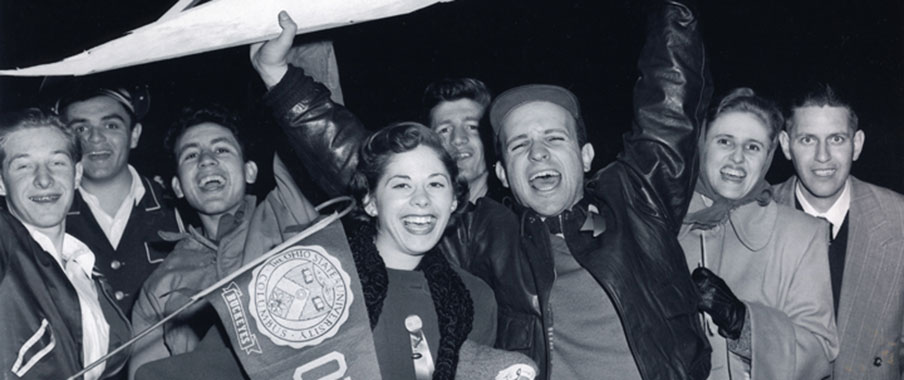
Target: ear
[(785, 141), (370, 206), (250, 172), (136, 135), (454, 204), (500, 173), (177, 187), (79, 169), (587, 154), (2, 186), (859, 138)]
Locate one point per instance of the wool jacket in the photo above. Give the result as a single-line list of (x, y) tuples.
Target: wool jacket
[(774, 259), (871, 308)]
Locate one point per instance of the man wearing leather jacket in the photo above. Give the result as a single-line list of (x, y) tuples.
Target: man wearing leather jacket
[(619, 227)]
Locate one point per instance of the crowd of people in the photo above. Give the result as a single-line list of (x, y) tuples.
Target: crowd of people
[(484, 246)]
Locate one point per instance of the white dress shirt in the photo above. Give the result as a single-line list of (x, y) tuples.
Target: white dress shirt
[(113, 226), (834, 214), (77, 262)]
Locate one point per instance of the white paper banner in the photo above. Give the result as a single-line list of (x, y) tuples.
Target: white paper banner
[(216, 25)]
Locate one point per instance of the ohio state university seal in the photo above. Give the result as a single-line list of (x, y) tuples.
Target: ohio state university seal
[(300, 297)]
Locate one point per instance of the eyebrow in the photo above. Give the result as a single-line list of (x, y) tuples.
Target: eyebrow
[(105, 117), (27, 155), (546, 132)]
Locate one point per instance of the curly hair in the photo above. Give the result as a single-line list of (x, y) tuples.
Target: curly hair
[(377, 150), (209, 113)]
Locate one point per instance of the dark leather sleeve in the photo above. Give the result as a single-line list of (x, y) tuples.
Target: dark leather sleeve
[(670, 100), (324, 135)]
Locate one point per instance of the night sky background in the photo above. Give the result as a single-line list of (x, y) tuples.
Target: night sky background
[(775, 47)]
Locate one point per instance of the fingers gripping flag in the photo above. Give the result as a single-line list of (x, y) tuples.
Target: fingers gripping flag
[(301, 314)]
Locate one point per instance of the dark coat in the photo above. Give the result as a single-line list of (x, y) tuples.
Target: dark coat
[(40, 320), (140, 249)]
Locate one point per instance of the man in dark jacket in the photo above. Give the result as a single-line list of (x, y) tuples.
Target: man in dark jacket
[(116, 211), (619, 228), (609, 278), (57, 315)]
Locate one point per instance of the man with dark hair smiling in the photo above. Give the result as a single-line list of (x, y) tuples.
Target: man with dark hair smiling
[(866, 250), (454, 110), (213, 171), (57, 315), (116, 211)]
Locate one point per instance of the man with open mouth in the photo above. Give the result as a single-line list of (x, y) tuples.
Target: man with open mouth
[(600, 289), (213, 172), (116, 212)]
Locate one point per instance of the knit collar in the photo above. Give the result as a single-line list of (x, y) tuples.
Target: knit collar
[(451, 299)]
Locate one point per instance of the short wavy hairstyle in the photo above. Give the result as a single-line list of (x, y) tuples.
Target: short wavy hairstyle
[(29, 118), (378, 149), (452, 89)]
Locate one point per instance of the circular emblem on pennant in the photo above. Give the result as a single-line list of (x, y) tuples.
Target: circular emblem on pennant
[(300, 297)]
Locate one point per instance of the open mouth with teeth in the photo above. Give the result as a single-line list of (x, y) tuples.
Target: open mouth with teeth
[(419, 224), (823, 172), (99, 155), (45, 198), (733, 175), (212, 182), (545, 180), (460, 156)]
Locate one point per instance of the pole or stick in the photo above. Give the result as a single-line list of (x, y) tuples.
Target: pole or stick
[(312, 229)]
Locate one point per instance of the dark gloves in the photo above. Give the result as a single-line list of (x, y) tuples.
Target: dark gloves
[(716, 299)]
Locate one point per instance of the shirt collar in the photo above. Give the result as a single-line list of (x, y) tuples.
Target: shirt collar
[(136, 191), (73, 249), (834, 214)]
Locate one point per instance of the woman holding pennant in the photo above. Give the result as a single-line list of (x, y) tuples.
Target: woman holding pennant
[(761, 268)]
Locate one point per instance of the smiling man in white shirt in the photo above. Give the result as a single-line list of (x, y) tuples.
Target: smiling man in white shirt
[(116, 211), (56, 315), (822, 139)]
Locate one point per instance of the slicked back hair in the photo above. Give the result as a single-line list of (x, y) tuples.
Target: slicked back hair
[(822, 95)]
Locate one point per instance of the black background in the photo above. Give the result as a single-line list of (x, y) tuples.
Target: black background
[(776, 47)]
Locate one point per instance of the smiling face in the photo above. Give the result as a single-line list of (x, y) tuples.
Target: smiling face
[(822, 146), (457, 122), (412, 202), (38, 176), (544, 166), (106, 133), (736, 153), (212, 172)]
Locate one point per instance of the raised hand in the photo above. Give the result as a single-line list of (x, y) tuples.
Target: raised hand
[(269, 58)]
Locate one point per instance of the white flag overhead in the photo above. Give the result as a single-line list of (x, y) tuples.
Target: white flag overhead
[(216, 25)]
